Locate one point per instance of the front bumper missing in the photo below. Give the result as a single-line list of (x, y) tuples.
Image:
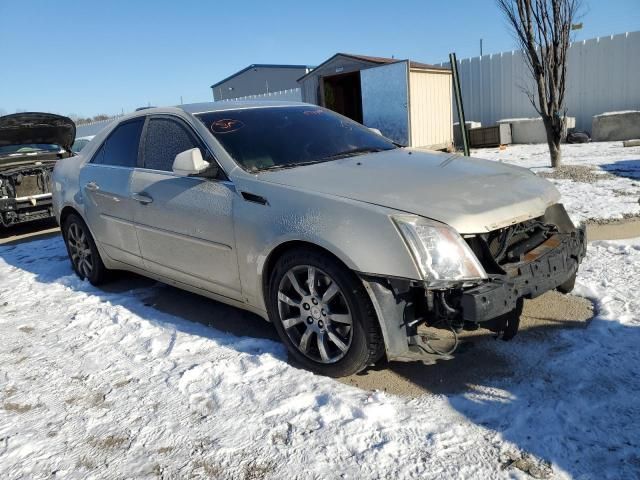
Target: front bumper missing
[(400, 306), (544, 268)]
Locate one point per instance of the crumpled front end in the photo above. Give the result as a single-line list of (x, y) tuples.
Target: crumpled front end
[(547, 266), (522, 261)]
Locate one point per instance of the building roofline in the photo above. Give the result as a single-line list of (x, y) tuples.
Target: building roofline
[(378, 61), (259, 65), (331, 58)]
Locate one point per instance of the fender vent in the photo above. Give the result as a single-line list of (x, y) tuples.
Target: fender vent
[(251, 197)]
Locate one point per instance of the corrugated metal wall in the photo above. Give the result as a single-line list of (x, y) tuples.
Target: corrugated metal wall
[(257, 80), (290, 95), (431, 114), (385, 100), (603, 76)]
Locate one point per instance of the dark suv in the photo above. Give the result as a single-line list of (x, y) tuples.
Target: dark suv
[(30, 145)]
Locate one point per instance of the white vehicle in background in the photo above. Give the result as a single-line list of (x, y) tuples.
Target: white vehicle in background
[(80, 143)]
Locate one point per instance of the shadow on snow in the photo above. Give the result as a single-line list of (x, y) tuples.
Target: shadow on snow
[(623, 168)]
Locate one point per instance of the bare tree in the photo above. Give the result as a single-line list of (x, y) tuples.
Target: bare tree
[(543, 29)]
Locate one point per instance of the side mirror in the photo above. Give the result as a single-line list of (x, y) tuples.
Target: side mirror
[(375, 130), (189, 162)]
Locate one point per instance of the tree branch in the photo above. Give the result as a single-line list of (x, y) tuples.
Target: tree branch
[(542, 29)]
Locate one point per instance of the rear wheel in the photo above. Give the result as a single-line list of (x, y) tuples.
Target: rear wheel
[(82, 250), (323, 314)]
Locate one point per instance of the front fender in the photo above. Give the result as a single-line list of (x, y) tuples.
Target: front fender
[(361, 235)]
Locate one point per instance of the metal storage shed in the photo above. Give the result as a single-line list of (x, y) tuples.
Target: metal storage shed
[(409, 102)]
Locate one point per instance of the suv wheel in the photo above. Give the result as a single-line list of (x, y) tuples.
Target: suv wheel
[(323, 314), (82, 250)]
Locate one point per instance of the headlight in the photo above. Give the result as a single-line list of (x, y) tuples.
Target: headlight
[(439, 251)]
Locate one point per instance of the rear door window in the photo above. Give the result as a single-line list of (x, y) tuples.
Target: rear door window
[(165, 138), (121, 148)]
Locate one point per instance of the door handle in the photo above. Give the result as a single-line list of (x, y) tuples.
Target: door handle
[(143, 198), (92, 186)]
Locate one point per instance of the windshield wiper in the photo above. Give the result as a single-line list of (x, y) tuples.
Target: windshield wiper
[(335, 156), (353, 152), (287, 165)]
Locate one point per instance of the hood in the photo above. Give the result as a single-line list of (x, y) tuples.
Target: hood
[(32, 127), (470, 194)]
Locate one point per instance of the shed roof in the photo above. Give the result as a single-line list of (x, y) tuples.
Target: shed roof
[(378, 61), (258, 65)]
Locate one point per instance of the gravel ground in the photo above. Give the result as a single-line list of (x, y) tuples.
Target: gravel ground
[(627, 218), (475, 361), (577, 173)]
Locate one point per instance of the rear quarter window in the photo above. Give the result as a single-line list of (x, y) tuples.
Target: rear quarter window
[(121, 147)]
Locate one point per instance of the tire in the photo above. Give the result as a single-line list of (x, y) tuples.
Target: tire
[(344, 336), (83, 253), (567, 287)]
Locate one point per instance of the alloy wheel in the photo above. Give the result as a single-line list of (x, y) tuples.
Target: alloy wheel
[(80, 250), (315, 314)]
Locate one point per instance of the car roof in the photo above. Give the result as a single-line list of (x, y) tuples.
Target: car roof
[(204, 107), (195, 108)]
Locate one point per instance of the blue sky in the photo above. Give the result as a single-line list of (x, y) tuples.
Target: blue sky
[(90, 57)]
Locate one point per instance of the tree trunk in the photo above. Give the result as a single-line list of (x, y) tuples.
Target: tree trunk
[(556, 154), (553, 128)]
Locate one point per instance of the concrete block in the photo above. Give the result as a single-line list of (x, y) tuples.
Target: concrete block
[(531, 130), (611, 126), (631, 143)]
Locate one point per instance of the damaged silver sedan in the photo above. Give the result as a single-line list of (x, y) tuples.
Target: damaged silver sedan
[(354, 247)]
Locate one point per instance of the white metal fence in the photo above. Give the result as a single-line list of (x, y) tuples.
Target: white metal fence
[(290, 95), (603, 76), (92, 128)]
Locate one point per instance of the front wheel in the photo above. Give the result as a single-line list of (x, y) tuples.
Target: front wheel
[(82, 250), (323, 314), (569, 285)]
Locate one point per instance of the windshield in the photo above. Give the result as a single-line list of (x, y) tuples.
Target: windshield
[(283, 137), (30, 148)]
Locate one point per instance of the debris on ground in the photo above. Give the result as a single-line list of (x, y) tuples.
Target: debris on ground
[(577, 173), (527, 463)]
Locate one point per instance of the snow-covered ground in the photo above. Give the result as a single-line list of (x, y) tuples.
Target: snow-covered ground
[(615, 195), (98, 385)]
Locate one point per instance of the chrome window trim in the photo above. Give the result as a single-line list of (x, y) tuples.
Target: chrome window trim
[(104, 165), (225, 181)]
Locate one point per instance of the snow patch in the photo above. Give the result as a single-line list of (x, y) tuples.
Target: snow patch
[(613, 197)]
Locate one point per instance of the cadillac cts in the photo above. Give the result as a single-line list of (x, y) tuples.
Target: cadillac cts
[(354, 247)]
